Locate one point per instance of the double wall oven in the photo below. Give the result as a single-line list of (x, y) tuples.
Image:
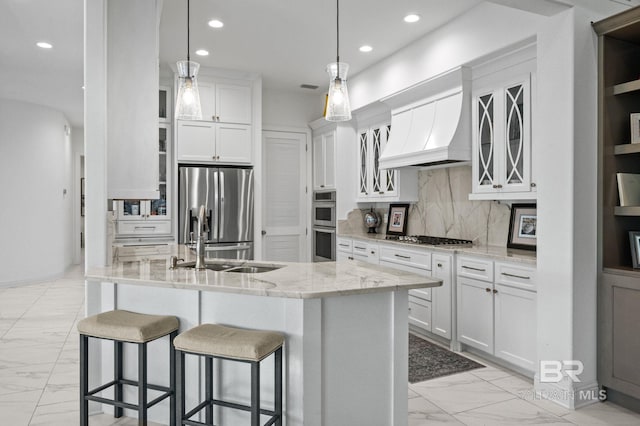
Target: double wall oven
[(324, 226)]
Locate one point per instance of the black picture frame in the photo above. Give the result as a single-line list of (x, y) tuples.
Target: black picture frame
[(397, 219), (523, 227)]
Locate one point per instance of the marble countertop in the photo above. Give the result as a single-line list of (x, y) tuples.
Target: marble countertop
[(292, 280), (493, 252)]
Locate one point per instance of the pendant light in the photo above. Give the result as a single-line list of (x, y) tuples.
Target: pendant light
[(188, 98), (338, 107)]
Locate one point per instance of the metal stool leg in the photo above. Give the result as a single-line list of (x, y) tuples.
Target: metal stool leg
[(278, 386), (172, 380), (255, 393), (180, 390), (84, 380), (142, 384), (117, 376), (208, 372)]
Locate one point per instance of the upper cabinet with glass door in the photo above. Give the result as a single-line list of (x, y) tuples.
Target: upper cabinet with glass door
[(501, 162), (374, 183)]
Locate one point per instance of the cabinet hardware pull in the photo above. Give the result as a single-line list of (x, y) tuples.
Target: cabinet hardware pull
[(439, 265), (144, 227), (533, 185), (213, 157), (402, 257), (360, 248), (495, 291), (506, 274), (350, 257), (373, 252), (474, 269), (380, 192), (321, 186), (488, 290), (343, 245)]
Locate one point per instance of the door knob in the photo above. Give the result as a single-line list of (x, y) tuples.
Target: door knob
[(264, 232)]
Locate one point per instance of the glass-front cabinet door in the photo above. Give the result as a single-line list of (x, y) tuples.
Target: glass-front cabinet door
[(374, 182), (502, 138), (136, 210)]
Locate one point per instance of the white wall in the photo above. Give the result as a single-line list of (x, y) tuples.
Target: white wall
[(289, 109), (35, 169)]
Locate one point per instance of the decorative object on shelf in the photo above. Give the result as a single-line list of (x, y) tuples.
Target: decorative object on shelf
[(188, 98), (371, 221), (634, 119), (628, 189), (634, 239), (397, 219), (523, 227), (338, 106)]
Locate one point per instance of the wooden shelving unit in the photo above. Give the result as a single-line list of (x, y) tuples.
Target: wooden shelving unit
[(618, 282)]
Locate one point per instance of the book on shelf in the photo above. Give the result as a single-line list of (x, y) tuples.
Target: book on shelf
[(634, 119), (629, 189)]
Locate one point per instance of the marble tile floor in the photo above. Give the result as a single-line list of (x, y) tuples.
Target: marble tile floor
[(39, 374)]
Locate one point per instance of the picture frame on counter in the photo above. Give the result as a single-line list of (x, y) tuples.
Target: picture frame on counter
[(523, 227), (634, 239), (397, 219)]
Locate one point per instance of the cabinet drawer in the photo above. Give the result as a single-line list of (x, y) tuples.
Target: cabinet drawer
[(479, 269), (515, 275), (345, 244), (416, 259), (420, 313), (144, 228), (368, 250), (422, 293)]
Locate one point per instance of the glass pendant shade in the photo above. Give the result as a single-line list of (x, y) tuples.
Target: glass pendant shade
[(188, 98), (338, 106)]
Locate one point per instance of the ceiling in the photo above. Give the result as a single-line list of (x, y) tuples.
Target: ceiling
[(289, 42)]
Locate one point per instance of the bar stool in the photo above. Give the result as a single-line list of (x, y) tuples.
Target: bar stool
[(126, 327), (228, 343)]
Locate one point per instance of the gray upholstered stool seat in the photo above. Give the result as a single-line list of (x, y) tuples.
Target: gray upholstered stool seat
[(125, 327), (229, 342), (128, 326), (236, 344)]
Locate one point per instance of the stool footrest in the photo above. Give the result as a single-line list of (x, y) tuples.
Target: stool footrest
[(227, 404), (111, 402), (91, 394)]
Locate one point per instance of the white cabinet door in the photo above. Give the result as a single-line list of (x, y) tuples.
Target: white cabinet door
[(475, 314), (233, 143), (233, 103), (324, 169), (515, 326), (441, 296), (196, 141), (420, 313), (207, 92)]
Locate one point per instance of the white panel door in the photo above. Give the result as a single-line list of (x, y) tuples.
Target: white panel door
[(196, 141), (284, 204), (515, 326), (441, 296), (233, 143), (475, 314)]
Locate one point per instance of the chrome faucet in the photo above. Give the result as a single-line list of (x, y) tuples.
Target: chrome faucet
[(203, 227)]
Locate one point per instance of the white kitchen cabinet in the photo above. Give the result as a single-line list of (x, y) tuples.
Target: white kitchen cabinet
[(324, 161), (475, 313), (207, 142), (441, 320), (165, 101), (501, 140), (420, 312), (224, 102), (498, 315), (348, 249), (374, 183), (515, 326), (150, 217)]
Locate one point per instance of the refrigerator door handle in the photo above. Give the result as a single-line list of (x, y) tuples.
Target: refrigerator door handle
[(221, 204)]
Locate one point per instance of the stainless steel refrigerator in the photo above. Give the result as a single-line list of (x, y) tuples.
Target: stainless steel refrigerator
[(227, 194)]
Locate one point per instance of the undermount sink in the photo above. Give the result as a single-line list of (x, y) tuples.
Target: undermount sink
[(225, 267), (254, 269)]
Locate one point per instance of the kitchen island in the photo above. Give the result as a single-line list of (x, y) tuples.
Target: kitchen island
[(346, 328)]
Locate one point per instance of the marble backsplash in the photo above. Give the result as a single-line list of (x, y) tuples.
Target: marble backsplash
[(444, 209)]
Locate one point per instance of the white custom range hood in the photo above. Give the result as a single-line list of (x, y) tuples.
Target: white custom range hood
[(430, 123)]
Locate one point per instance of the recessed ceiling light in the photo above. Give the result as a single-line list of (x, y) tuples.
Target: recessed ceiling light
[(366, 48), (412, 18), (44, 45), (214, 23), (202, 52)]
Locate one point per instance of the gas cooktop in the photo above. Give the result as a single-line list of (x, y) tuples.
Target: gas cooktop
[(427, 239)]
